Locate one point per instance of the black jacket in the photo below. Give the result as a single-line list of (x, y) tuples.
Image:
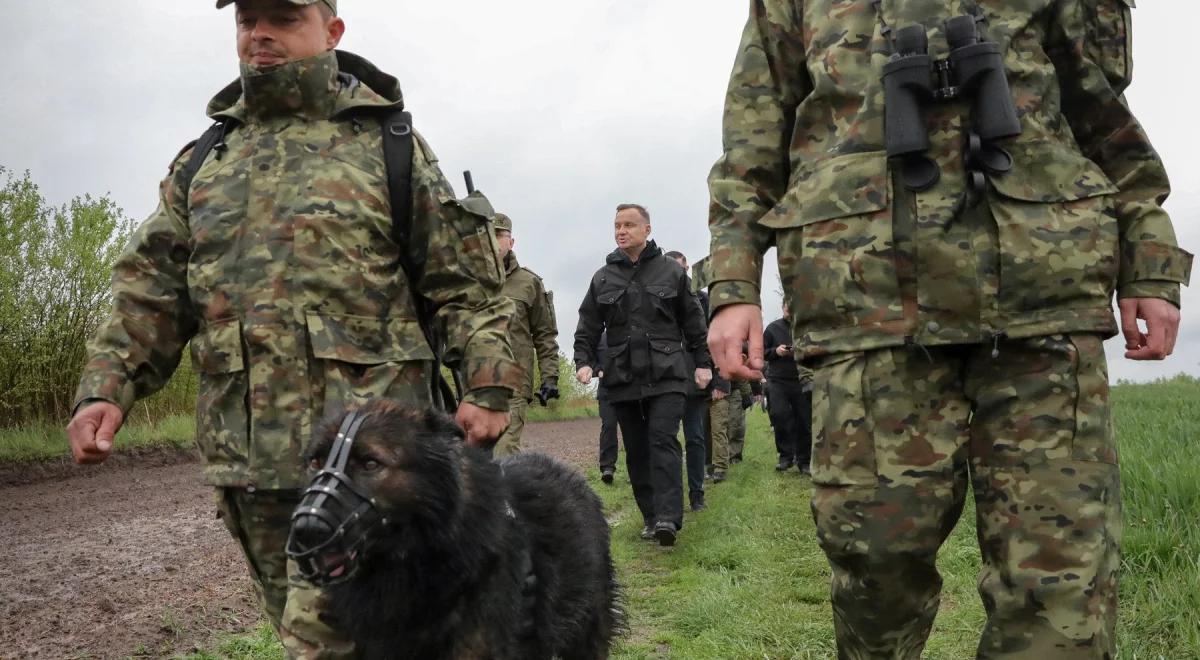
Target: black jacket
[(651, 318), (779, 368)]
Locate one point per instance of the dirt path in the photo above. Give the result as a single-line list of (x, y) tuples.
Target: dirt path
[(133, 560)]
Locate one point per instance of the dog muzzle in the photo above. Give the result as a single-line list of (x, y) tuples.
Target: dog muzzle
[(335, 517)]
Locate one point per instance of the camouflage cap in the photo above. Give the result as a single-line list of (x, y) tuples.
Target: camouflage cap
[(332, 4), (502, 222)]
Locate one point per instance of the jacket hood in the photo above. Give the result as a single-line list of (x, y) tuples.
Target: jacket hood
[(617, 256)]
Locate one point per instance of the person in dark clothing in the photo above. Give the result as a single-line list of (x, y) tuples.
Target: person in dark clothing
[(789, 393), (608, 418), (695, 417), (642, 299)]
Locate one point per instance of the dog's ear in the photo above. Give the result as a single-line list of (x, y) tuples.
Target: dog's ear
[(442, 424)]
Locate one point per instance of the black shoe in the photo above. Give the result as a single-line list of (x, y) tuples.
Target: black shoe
[(648, 533), (784, 464), (665, 532), (805, 471), (718, 476), (606, 475), (697, 501), (735, 459)]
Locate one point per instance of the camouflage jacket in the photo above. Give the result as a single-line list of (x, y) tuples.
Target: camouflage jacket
[(532, 329), (278, 264), (864, 262)]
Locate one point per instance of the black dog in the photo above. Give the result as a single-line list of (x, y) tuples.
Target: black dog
[(429, 550)]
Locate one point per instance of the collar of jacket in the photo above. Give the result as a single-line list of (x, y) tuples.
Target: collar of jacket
[(649, 252), (510, 263), (319, 87)]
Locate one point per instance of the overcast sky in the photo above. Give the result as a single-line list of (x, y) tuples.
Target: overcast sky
[(561, 110)]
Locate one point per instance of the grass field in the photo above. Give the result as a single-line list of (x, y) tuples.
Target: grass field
[(748, 581), (40, 442)]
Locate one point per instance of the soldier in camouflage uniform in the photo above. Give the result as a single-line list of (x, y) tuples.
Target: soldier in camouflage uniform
[(532, 333), (953, 342), (278, 264)]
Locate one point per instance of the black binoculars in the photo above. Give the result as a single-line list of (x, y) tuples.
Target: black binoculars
[(912, 79)]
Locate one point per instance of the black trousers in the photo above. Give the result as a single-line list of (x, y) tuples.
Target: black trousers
[(608, 435), (695, 417), (653, 455), (791, 416)]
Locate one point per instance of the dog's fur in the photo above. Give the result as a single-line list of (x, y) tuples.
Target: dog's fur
[(450, 575)]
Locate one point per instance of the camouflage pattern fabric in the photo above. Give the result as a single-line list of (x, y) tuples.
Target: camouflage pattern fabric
[(719, 413), (737, 418), (510, 441), (864, 262), (532, 328), (260, 522), (899, 434), (278, 264)]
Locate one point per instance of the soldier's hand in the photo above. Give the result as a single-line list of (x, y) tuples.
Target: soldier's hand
[(1162, 327), (584, 375), (717, 395), (783, 350), (91, 431), (482, 426), (703, 377), (731, 327)]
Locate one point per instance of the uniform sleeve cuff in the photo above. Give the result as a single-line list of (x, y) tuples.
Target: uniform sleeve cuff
[(492, 398), (732, 292), (105, 385), (1152, 260), (1168, 291)]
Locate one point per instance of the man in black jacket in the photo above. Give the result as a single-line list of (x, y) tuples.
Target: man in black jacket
[(789, 392), (641, 298)]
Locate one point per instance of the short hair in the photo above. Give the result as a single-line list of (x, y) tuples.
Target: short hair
[(676, 254), (638, 207)]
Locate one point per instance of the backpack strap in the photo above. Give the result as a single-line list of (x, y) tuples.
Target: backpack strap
[(212, 138), (398, 157)]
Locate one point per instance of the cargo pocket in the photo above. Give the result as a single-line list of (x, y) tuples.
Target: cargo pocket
[(667, 360), (837, 259), (843, 435), (477, 242), (222, 419), (616, 367), (663, 299), (1058, 233), (613, 304), (1109, 39), (1094, 439), (366, 357)]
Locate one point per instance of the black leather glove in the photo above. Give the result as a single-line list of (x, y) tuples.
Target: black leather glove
[(549, 390)]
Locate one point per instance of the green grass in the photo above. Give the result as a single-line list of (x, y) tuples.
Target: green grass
[(748, 581), (45, 441)]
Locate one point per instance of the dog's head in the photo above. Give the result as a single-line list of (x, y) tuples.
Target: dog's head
[(384, 470)]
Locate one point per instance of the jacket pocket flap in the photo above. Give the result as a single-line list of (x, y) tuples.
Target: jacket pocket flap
[(1046, 172), (610, 297), (838, 187), (366, 339), (663, 346), (659, 291), (217, 349)]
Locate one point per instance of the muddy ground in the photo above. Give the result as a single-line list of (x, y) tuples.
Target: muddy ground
[(131, 560)]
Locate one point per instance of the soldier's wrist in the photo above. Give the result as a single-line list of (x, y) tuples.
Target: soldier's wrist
[(491, 398)]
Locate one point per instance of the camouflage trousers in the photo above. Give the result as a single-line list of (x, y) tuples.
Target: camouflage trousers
[(898, 434), (260, 522), (737, 425), (510, 441), (718, 432)]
